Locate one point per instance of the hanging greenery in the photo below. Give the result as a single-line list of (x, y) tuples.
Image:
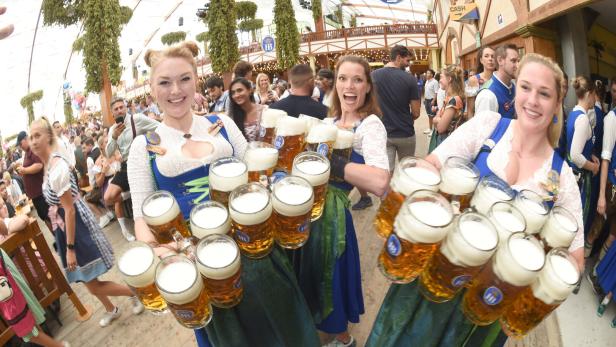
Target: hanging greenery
[(353, 21), (102, 22), (245, 10), (78, 44), (222, 24), (28, 101), (317, 11), (251, 25), (202, 37), (173, 37), (68, 110), (287, 36)]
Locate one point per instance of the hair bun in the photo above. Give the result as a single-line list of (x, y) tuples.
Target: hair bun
[(192, 47), (149, 55)]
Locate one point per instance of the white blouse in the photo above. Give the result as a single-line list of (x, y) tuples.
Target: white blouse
[(468, 139), (581, 134), (174, 163)]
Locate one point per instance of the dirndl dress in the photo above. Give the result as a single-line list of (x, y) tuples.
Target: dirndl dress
[(606, 270), (92, 249)]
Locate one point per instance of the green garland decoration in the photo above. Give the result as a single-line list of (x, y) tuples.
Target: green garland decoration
[(245, 10), (250, 24), (203, 37), (68, 110), (78, 44), (63, 12), (224, 50), (287, 36), (126, 13), (317, 10), (353, 22), (173, 37), (28, 101)]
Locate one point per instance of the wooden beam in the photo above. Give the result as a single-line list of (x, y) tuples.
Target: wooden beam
[(485, 18), (393, 8), (389, 19), (553, 9)]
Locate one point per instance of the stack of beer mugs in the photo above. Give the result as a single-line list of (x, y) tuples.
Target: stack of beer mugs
[(210, 217), (411, 174), (315, 169), (289, 141), (261, 159), (461, 235), (250, 207), (293, 199), (225, 175), (162, 214), (321, 138)]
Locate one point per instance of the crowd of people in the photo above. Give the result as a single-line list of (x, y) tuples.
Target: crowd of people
[(165, 141)]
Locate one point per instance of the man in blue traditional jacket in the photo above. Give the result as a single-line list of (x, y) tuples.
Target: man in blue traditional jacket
[(497, 93)]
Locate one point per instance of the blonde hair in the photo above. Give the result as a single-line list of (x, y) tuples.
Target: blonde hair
[(456, 86), (46, 126), (7, 176), (259, 76), (555, 127), (186, 50)]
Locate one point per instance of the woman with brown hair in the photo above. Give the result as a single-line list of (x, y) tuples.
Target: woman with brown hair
[(486, 65), (450, 117), (330, 273)]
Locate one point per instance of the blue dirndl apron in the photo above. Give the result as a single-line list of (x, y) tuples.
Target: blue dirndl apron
[(406, 318), (272, 311)]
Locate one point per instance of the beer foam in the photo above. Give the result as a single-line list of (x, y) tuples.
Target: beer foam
[(310, 121), (322, 132), (411, 179), (218, 260), (290, 126), (136, 266), (251, 208), (556, 281), (270, 117), (292, 199), (423, 222), (519, 261), (480, 236), (228, 176), (160, 210), (458, 181), (486, 196), (179, 283), (506, 223), (209, 220), (314, 171), (344, 139), (559, 230), (261, 158)]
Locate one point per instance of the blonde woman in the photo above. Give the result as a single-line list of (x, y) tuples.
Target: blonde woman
[(449, 117), (82, 246), (263, 94)]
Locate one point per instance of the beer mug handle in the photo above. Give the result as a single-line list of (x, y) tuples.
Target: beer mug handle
[(188, 246)]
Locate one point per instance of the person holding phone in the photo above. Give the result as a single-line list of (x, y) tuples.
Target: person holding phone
[(120, 137)]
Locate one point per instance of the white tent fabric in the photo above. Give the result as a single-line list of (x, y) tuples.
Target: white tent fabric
[(53, 62)]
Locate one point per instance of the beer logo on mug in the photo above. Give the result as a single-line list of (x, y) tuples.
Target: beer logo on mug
[(393, 245), (242, 236), (277, 176), (492, 296), (238, 283), (323, 149), (278, 142), (303, 227), (184, 314), (262, 132), (461, 280)]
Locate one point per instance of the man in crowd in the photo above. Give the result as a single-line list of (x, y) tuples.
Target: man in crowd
[(5, 197), (218, 98), (398, 97), (121, 136), (32, 172), (242, 69), (498, 92), (431, 89), (300, 98), (65, 144)]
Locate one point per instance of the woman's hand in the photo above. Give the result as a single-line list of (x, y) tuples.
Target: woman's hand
[(595, 166), (71, 260), (601, 203)]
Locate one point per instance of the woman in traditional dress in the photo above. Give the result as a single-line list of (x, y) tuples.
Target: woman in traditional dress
[(243, 109), (81, 244), (329, 270), (450, 117), (486, 65), (523, 156), (273, 311)]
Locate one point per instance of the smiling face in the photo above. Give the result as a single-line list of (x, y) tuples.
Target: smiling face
[(487, 59), (174, 86), (239, 93), (536, 99), (352, 86), (263, 82)]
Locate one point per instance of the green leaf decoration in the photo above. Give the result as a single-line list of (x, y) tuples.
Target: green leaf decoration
[(250, 24), (63, 12), (203, 37), (78, 44), (245, 10), (287, 36), (173, 37), (223, 51), (28, 101)]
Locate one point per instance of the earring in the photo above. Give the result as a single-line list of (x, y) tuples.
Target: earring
[(555, 120)]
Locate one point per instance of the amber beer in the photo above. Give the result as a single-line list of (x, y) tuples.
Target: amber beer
[(267, 126), (553, 285), (516, 265), (459, 178), (218, 261), (422, 223), (534, 209), (289, 141), (251, 208), (411, 174), (461, 256), (225, 175), (261, 158), (138, 268), (343, 147), (180, 284), (321, 139), (507, 219), (314, 168), (560, 228), (210, 217), (162, 214), (292, 199), (490, 190)]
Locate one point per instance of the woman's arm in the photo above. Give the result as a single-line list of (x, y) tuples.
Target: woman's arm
[(369, 178), (581, 134), (569, 198), (602, 202), (237, 139), (448, 114), (66, 200)]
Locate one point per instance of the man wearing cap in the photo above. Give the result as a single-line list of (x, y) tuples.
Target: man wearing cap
[(121, 136), (32, 172)]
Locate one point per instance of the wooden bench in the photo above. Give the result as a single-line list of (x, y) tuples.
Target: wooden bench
[(48, 285)]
